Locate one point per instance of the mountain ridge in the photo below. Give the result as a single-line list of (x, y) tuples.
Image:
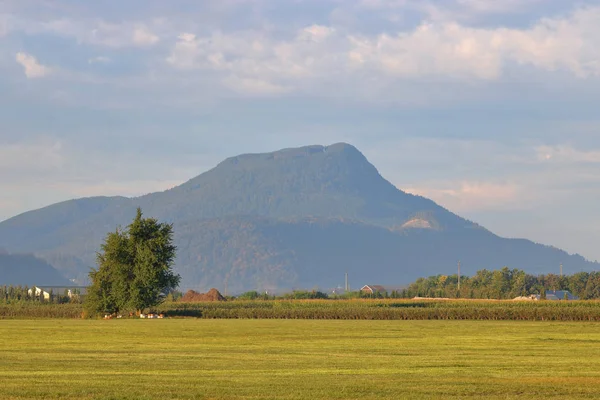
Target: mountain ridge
[(27, 270), (253, 217)]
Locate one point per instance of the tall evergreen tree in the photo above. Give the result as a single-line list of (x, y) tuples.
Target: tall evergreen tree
[(134, 268)]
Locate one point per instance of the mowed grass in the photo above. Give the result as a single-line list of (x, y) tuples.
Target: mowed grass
[(298, 359)]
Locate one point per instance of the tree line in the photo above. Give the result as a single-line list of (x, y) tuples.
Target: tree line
[(504, 283)]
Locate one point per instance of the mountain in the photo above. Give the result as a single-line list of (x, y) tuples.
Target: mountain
[(293, 218), (27, 270)]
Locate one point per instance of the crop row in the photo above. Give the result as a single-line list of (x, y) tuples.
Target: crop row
[(39, 311), (390, 310), (343, 309)]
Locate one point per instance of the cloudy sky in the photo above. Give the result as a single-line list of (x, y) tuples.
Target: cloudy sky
[(489, 107)]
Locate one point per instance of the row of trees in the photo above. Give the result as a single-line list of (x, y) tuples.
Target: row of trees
[(504, 284)]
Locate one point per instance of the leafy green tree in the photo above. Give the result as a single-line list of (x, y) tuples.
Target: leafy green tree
[(592, 287), (251, 295), (134, 268)]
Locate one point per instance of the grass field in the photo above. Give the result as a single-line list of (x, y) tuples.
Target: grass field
[(298, 359)]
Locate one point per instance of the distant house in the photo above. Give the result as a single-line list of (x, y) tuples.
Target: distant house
[(558, 295), (69, 291), (373, 289), (38, 291)]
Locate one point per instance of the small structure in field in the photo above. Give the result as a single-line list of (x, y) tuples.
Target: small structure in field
[(533, 297)]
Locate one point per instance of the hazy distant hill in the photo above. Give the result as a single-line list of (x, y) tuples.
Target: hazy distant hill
[(293, 218), (27, 270)]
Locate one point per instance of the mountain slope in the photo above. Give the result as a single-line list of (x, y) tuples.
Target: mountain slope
[(28, 270), (309, 181), (238, 253), (296, 217)]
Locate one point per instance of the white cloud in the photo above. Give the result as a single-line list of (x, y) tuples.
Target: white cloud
[(186, 52), (143, 37), (572, 43), (254, 86), (253, 62), (450, 49), (467, 196), (37, 156), (33, 69), (99, 60), (445, 49), (496, 6), (315, 33), (96, 32), (3, 26), (113, 35), (566, 154)]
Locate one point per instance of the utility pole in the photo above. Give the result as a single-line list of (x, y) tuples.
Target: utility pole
[(226, 281), (561, 274), (347, 288), (459, 275)]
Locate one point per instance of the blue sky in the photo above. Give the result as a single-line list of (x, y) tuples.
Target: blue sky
[(489, 107)]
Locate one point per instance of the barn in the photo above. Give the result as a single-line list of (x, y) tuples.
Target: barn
[(373, 289)]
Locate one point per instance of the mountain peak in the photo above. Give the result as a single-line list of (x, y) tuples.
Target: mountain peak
[(341, 147), (297, 153)]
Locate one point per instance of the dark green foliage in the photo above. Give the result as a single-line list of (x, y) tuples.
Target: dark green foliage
[(293, 218), (134, 268), (306, 295), (505, 284), (251, 295)]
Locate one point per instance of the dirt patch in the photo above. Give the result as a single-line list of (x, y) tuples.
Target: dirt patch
[(193, 296), (526, 298)]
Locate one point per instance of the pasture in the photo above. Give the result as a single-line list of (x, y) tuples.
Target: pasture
[(298, 359)]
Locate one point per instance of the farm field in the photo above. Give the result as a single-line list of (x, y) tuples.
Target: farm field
[(298, 359), (364, 309)]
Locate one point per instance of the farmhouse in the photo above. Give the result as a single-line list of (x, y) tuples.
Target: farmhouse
[(373, 289)]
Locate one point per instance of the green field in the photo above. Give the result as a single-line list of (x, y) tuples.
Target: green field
[(298, 359)]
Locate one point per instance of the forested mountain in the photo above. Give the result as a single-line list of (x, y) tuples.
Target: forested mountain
[(28, 270), (293, 218)]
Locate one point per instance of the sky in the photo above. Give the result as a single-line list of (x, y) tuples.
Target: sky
[(488, 107)]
